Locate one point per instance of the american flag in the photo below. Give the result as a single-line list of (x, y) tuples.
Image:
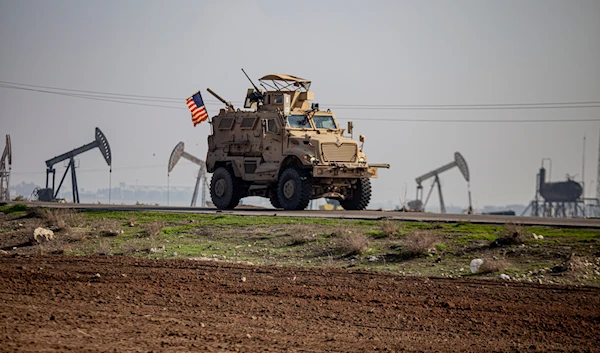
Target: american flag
[(196, 106)]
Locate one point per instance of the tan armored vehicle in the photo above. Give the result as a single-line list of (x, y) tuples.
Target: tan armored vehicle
[(286, 149)]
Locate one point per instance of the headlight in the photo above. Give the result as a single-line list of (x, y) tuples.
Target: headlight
[(313, 159), (361, 160)]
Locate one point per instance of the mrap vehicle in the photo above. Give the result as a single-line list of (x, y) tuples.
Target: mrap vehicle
[(286, 149)]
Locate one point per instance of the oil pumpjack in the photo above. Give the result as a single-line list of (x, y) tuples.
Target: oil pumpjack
[(176, 155), (5, 167), (419, 205), (49, 193)]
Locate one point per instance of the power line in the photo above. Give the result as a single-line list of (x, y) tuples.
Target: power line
[(474, 107), (400, 120), (93, 92), (537, 105), (132, 99), (96, 98), (461, 105)]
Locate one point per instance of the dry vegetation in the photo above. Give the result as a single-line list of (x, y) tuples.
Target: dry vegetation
[(493, 265), (104, 248), (513, 235), (389, 228), (418, 243), (302, 234), (153, 229), (353, 243), (57, 219), (110, 228), (406, 247)]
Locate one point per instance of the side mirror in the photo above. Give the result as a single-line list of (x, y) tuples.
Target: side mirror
[(361, 138), (350, 126)]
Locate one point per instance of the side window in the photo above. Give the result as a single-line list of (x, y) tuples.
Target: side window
[(226, 123), (272, 126), (247, 123), (278, 99)]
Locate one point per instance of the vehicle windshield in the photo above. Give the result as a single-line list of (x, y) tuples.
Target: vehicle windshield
[(324, 122), (299, 122)]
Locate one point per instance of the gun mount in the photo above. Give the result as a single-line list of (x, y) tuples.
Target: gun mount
[(49, 193), (227, 104), (5, 167), (253, 96), (419, 205), (176, 155)]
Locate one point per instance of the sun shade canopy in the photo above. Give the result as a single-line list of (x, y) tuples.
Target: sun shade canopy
[(284, 77), (282, 82)]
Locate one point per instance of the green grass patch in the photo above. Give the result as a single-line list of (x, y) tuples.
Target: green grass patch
[(575, 233), (466, 239), (14, 208)]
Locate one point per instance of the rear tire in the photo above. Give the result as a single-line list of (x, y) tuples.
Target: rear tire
[(360, 197), (225, 189), (294, 189)]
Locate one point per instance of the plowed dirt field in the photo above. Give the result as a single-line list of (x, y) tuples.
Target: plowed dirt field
[(60, 303)]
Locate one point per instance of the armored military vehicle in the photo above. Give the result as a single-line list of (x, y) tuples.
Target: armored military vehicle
[(284, 148)]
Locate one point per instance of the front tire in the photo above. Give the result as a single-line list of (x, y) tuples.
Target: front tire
[(225, 189), (274, 198), (294, 189), (360, 197)]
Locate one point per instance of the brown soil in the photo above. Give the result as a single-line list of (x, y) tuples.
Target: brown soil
[(59, 303)]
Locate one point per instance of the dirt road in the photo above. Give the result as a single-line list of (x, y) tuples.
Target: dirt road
[(57, 303)]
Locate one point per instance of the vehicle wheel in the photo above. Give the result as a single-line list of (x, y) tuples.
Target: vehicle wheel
[(294, 189), (225, 189), (274, 198), (360, 197)]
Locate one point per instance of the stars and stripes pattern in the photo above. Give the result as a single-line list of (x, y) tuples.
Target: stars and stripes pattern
[(196, 106)]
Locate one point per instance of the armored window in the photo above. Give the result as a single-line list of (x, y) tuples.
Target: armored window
[(248, 123), (324, 122), (272, 126), (299, 122), (278, 99), (226, 123)]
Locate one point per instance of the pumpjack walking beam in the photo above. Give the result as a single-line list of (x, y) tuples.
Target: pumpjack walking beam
[(99, 142)]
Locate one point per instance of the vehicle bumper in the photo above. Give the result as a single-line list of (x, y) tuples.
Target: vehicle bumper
[(341, 170)]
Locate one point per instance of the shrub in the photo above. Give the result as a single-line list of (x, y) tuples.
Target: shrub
[(492, 265), (512, 235), (300, 238), (152, 229), (58, 219), (418, 243), (389, 227), (104, 249), (353, 243), (110, 228)]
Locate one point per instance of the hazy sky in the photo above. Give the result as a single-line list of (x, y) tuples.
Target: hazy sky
[(355, 52)]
